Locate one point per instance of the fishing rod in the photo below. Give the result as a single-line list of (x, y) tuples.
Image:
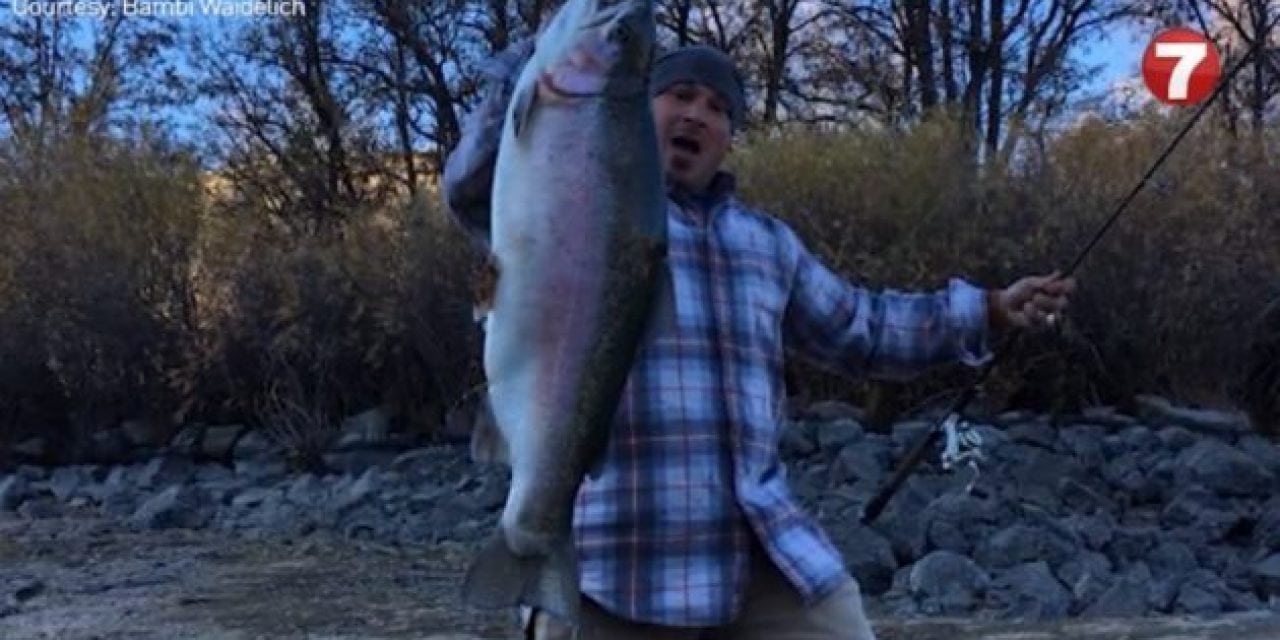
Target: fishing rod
[(918, 450)]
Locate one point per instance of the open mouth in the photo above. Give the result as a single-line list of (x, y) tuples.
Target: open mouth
[(687, 145)]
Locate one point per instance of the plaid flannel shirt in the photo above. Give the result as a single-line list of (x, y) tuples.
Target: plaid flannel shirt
[(692, 472)]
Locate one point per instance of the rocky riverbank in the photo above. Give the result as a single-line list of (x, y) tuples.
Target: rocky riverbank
[(1171, 512)]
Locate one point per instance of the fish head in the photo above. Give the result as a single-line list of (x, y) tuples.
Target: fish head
[(630, 26), (598, 47)]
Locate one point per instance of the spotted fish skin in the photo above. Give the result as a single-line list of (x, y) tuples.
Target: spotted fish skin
[(579, 276)]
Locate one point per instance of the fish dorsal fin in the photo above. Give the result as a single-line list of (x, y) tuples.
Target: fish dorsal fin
[(487, 442)]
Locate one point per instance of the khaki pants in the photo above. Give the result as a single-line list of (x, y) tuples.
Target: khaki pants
[(773, 611)]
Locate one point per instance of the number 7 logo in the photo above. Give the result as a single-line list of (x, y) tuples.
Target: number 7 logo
[(1181, 67)]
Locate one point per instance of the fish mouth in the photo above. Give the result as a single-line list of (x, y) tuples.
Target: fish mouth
[(686, 144)]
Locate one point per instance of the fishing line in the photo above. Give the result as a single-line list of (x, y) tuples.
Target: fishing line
[(917, 452)]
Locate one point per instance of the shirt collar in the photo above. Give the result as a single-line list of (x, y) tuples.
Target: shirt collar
[(722, 187)]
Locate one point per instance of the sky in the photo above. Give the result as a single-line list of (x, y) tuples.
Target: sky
[(1119, 53)]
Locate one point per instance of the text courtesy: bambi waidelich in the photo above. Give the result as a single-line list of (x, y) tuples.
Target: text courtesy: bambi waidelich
[(158, 8)]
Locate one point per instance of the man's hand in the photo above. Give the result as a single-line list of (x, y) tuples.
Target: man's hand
[(1033, 301)]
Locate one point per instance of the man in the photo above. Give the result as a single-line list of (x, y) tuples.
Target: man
[(690, 531)]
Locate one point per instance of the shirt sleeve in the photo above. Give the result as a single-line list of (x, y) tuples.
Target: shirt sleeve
[(889, 335), (468, 172)]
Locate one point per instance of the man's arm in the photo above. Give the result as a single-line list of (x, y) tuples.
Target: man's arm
[(883, 335), (468, 172)]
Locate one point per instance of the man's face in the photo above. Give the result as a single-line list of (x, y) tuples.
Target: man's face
[(694, 132)]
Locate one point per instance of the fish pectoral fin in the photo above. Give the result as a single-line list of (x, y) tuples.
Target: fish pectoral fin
[(499, 579), (523, 101), (487, 442)]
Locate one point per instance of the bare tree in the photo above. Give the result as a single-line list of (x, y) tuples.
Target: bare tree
[(61, 77)]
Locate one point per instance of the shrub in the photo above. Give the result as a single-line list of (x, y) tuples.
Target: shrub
[(1165, 299)]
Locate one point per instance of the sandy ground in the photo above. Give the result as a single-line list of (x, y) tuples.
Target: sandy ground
[(79, 578)]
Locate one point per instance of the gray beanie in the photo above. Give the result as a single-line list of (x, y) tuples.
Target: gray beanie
[(704, 65)]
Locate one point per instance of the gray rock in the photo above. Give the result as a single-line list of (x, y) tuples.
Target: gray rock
[(1084, 444), (348, 494), (869, 556), (1266, 452), (1205, 516), (356, 461), (1096, 531), (307, 490), (35, 448), (41, 508), (952, 582), (1107, 417), (856, 462), (797, 440), (175, 507), (1202, 593), (1172, 558), (186, 442), (833, 436), (1162, 591), (1125, 475), (1086, 576), (261, 470), (163, 471), (1131, 543), (1033, 477), (369, 428), (1160, 411), (1176, 438), (901, 523), (425, 499), (109, 446), (33, 473), (1127, 598), (1079, 497), (957, 521), (214, 474), (1266, 576), (830, 411), (491, 495), (906, 433), (1023, 543), (1224, 469), (1030, 591), (143, 434), (1140, 439), (276, 517), (1009, 419), (992, 438), (66, 482), (254, 446), (14, 490), (1162, 477), (219, 442), (1037, 434), (1266, 534), (26, 589), (254, 496), (116, 494)]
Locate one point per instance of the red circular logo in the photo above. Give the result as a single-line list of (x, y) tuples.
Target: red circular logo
[(1181, 67)]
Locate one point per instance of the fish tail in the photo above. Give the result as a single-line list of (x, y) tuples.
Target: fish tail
[(498, 578)]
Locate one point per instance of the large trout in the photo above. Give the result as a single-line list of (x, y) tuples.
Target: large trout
[(578, 266)]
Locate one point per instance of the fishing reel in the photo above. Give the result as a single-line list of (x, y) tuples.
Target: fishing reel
[(962, 446)]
